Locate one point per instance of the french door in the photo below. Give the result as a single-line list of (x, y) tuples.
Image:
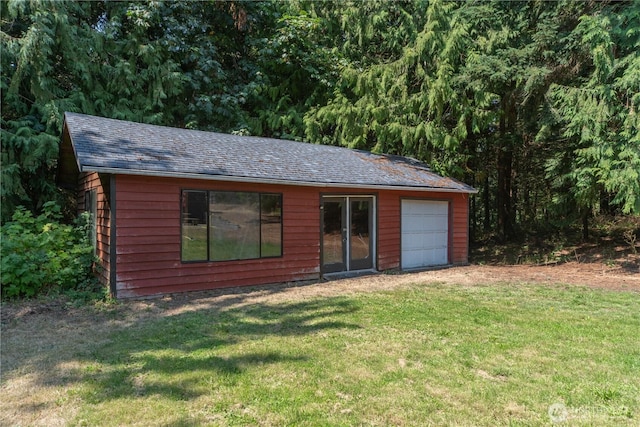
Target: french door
[(348, 235)]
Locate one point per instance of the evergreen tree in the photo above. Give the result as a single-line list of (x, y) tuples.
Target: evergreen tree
[(598, 112), (534, 103)]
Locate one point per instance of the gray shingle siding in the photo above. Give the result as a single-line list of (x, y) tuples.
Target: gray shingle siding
[(118, 146)]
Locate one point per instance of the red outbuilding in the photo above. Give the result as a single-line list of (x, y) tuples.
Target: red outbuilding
[(183, 210)]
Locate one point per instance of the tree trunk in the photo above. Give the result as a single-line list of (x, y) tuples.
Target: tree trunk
[(486, 199), (505, 168), (585, 225), (473, 225), (503, 195), (471, 148), (514, 207)]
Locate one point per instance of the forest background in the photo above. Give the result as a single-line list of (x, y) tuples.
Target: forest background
[(536, 104)]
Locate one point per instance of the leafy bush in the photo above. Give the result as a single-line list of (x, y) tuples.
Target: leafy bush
[(41, 253)]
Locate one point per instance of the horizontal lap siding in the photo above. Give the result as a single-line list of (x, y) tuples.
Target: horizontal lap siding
[(148, 236), (86, 182), (389, 225), (388, 231), (460, 224), (148, 239)]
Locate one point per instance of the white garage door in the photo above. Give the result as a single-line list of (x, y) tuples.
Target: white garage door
[(425, 233)]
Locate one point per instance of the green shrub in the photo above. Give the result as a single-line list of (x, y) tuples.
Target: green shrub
[(41, 253)]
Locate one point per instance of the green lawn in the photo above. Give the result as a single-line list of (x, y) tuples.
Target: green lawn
[(423, 355)]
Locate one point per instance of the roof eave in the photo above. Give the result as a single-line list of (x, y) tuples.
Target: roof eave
[(65, 128), (251, 180)]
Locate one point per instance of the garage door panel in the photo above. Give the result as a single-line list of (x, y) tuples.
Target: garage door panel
[(425, 233), (432, 227), (434, 256), (417, 207), (412, 258), (423, 258), (425, 240)]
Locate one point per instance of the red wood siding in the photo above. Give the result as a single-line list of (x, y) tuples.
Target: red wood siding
[(90, 181), (460, 229), (148, 236), (389, 225), (148, 239), (388, 230)]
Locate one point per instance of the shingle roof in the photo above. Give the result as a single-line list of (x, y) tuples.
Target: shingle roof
[(117, 146)]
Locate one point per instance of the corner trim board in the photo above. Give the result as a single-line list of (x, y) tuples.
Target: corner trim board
[(113, 277)]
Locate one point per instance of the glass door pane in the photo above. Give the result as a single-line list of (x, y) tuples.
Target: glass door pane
[(333, 235), (360, 234)]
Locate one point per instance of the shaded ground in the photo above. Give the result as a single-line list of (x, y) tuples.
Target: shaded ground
[(37, 335), (622, 273)]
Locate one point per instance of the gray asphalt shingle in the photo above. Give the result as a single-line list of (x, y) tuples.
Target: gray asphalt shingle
[(103, 144)]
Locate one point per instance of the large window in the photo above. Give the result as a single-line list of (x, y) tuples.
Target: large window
[(230, 225)]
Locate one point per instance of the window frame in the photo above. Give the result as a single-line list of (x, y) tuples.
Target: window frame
[(281, 197), (208, 197), (206, 200)]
